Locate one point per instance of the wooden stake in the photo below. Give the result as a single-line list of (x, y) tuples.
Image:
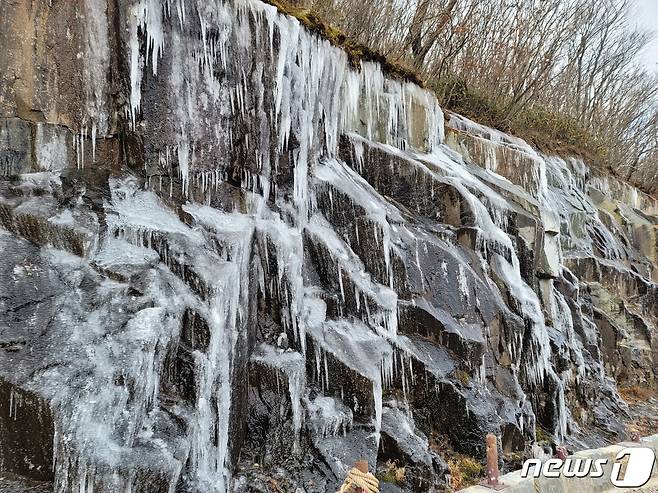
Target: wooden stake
[(493, 474)]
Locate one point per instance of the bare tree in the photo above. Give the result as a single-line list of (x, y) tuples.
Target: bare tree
[(577, 58)]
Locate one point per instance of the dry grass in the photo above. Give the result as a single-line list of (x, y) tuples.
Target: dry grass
[(645, 426), (392, 473), (542, 436), (464, 471), (643, 408), (635, 393), (547, 131), (462, 377)]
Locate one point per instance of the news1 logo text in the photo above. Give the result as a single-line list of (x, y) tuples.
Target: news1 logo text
[(632, 467)]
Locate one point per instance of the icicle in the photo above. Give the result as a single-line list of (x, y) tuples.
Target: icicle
[(378, 393), (93, 142), (184, 164)]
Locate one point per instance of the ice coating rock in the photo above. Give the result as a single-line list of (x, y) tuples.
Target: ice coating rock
[(241, 207), (329, 417)]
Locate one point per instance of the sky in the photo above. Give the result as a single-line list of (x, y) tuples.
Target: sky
[(647, 13)]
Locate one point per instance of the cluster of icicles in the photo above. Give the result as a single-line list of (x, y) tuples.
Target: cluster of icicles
[(316, 95)]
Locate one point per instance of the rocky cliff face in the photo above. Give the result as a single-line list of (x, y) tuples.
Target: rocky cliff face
[(231, 258)]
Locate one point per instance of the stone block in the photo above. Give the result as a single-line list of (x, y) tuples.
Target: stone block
[(26, 433), (15, 147), (550, 258), (52, 147)]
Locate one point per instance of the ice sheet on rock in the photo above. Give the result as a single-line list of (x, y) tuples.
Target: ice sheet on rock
[(498, 249), (45, 208), (314, 309), (41, 184), (328, 416), (209, 454), (361, 350), (292, 365), (492, 151), (535, 361), (98, 423), (563, 323), (495, 191), (352, 184), (220, 222), (569, 199), (379, 211), (223, 307), (385, 320), (227, 312), (515, 195), (445, 166), (567, 177), (399, 426), (289, 249), (355, 345), (460, 122), (591, 229), (140, 218), (50, 147), (233, 231), (436, 359), (144, 212), (118, 255), (465, 331), (64, 218), (341, 452), (96, 65)]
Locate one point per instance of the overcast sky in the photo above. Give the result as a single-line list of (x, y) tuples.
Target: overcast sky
[(648, 16)]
